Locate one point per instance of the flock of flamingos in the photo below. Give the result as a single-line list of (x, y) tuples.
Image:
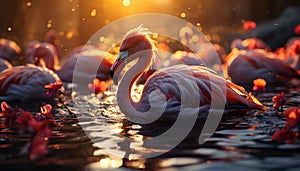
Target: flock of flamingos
[(251, 66)]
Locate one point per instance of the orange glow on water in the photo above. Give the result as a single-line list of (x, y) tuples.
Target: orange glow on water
[(110, 163)]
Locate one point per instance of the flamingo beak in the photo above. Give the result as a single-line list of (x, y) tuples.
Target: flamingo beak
[(114, 69)]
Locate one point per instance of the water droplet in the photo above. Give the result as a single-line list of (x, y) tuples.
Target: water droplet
[(93, 12), (126, 3), (182, 15), (28, 4), (73, 9), (82, 18)]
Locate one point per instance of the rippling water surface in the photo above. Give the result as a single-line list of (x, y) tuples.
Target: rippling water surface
[(93, 135)]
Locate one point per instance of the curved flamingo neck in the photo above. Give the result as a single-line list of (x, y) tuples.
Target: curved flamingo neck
[(125, 102)]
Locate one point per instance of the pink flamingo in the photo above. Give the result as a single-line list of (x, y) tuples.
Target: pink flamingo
[(246, 66), (137, 41), (42, 54), (84, 58), (26, 83), (85, 63)]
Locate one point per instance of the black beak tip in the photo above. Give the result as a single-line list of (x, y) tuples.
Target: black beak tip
[(112, 73), (114, 78)]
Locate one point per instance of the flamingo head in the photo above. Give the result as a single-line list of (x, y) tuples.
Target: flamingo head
[(134, 42), (52, 37), (43, 54)]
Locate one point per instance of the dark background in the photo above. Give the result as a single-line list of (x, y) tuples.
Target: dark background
[(74, 21)]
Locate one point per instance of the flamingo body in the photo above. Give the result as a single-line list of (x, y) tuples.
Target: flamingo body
[(205, 78), (194, 80), (88, 64), (246, 66), (25, 83)]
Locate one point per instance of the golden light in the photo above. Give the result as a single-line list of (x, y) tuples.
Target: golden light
[(70, 34), (101, 39), (182, 15), (118, 128), (49, 23), (126, 3), (28, 4), (9, 29), (93, 12), (293, 115), (110, 163)]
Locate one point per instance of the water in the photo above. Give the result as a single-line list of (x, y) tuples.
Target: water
[(242, 140)]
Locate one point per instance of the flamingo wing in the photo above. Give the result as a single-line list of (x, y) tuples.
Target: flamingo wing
[(206, 82), (25, 83), (254, 64)]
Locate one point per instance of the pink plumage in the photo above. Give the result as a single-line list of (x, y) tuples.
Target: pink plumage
[(25, 83), (246, 66), (137, 41)]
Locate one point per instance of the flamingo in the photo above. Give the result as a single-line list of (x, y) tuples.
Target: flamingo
[(85, 63), (137, 41), (42, 54), (9, 50), (89, 61), (244, 66), (26, 83)]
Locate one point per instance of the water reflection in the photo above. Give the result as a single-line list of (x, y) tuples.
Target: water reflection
[(241, 142), (240, 138)]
